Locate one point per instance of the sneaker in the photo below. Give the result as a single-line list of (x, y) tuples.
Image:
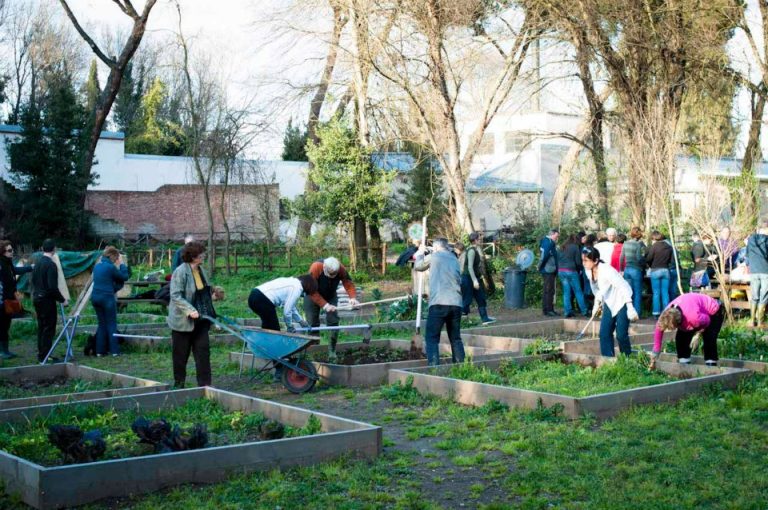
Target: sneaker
[(116, 355), (489, 320), (8, 355), (684, 361), (569, 315), (711, 363), (100, 355), (550, 314)]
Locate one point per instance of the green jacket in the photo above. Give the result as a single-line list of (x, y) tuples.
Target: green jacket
[(182, 294)]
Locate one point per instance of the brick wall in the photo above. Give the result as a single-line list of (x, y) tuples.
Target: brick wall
[(172, 210)]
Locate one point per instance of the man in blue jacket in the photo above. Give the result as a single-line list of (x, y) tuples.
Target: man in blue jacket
[(548, 268)]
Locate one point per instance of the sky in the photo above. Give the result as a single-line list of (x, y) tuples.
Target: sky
[(258, 62)]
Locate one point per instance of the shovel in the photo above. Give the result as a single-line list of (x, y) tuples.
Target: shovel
[(417, 334), (594, 314)]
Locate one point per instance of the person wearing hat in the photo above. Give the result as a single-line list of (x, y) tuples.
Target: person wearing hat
[(328, 274), (472, 264), (45, 281)]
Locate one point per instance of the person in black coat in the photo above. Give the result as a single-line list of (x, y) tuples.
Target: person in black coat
[(8, 273), (45, 280)]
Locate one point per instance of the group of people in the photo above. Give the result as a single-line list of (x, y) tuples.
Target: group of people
[(627, 254), (49, 290)]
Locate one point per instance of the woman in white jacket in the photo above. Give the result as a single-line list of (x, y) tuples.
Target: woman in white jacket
[(284, 292), (614, 295)]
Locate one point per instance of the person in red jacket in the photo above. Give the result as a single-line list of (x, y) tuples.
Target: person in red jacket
[(616, 255), (328, 273)]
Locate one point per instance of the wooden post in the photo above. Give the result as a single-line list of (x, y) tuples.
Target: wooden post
[(170, 259), (383, 258), (288, 255), (151, 257)]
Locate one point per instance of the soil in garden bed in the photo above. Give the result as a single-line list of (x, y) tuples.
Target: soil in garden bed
[(24, 388), (370, 355), (30, 440), (569, 379)]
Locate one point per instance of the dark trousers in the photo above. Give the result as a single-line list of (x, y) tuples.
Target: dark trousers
[(548, 292), (450, 316), (469, 292), (263, 307), (105, 306), (619, 324), (5, 326), (197, 342), (46, 326), (709, 336), (312, 313)]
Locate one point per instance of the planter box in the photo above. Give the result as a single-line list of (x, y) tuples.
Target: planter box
[(77, 484), (755, 366), (148, 344), (515, 337), (124, 384), (373, 374), (602, 405)]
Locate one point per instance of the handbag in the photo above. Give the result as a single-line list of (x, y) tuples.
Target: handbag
[(203, 302), (12, 307), (699, 278)]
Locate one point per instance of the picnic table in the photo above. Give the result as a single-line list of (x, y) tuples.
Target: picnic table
[(736, 304), (124, 300)]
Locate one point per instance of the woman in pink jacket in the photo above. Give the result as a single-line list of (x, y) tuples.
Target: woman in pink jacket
[(690, 314)]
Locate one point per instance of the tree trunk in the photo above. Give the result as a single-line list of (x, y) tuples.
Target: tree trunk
[(360, 240), (752, 151), (570, 159), (112, 87), (316, 105), (374, 250)]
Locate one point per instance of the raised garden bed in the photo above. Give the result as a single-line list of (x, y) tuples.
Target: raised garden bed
[(516, 337), (685, 380), (47, 384), (237, 445), (737, 348), (371, 369)]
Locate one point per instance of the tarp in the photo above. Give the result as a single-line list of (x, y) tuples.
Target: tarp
[(72, 262)]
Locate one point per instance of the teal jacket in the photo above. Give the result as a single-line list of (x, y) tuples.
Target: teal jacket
[(182, 294)]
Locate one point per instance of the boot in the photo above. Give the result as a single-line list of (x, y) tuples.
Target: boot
[(332, 347), (484, 316), (753, 314), (760, 315), (5, 353)]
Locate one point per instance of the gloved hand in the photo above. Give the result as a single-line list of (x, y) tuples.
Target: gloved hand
[(329, 308), (632, 314), (354, 302), (476, 285), (291, 329), (597, 308), (654, 357), (695, 341)]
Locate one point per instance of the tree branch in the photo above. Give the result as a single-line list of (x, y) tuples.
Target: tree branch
[(95, 47)]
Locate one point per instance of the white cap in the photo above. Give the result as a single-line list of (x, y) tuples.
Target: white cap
[(610, 231), (331, 265)]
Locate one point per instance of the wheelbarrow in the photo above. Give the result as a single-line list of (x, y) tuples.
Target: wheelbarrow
[(285, 352)]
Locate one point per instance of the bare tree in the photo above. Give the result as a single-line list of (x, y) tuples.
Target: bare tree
[(437, 47), (116, 65)]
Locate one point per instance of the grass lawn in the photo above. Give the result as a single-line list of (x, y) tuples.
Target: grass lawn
[(706, 451)]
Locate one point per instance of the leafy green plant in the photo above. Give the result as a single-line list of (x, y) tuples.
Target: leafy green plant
[(541, 346)]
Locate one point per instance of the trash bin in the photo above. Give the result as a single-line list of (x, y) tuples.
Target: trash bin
[(514, 288)]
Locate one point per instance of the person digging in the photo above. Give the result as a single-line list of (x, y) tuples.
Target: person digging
[(328, 274)]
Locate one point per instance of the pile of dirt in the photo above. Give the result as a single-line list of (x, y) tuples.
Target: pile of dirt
[(367, 355)]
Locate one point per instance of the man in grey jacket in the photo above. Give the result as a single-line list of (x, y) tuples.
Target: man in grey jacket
[(444, 299)]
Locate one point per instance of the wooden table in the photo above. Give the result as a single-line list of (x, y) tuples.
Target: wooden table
[(739, 304)]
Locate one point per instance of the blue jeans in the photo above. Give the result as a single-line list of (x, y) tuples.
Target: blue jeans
[(106, 312), (660, 286), (436, 317), (673, 278), (634, 277), (571, 282), (758, 286), (619, 324)]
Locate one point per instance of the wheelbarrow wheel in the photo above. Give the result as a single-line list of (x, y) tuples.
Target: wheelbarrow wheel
[(296, 382)]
